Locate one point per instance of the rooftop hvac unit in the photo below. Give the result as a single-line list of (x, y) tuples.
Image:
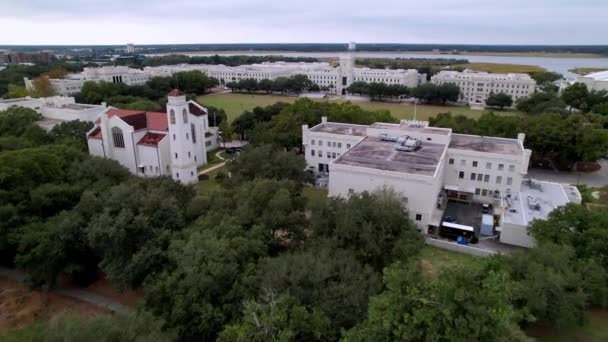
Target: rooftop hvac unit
[(408, 145)]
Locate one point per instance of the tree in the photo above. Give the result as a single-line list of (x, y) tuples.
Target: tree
[(281, 165), (539, 103), (16, 120), (42, 87), (374, 226), (544, 77), (193, 82), (15, 91), (320, 277), (131, 236), (575, 95), (72, 133), (499, 100), (298, 83), (277, 318), (601, 109), (460, 304), (216, 116), (266, 85)]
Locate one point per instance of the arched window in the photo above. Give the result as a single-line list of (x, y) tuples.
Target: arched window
[(117, 137), (193, 133), (172, 116), (185, 115)]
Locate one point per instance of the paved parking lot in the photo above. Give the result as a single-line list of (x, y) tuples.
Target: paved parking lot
[(465, 214)]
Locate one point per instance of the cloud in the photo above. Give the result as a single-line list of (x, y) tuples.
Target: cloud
[(251, 21)]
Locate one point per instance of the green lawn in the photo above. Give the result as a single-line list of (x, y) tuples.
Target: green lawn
[(207, 186), (314, 195), (235, 104), (434, 258)]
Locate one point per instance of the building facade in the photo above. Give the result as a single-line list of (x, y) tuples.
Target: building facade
[(444, 167), (595, 81), (475, 87), (152, 144)]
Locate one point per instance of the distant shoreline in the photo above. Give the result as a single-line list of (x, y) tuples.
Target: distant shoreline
[(456, 56)]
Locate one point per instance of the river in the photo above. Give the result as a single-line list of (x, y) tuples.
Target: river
[(557, 64)]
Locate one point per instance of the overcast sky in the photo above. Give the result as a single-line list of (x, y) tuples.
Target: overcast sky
[(290, 21)]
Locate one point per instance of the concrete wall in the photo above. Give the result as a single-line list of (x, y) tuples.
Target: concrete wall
[(149, 158), (95, 147), (454, 247), (419, 192), (517, 235)]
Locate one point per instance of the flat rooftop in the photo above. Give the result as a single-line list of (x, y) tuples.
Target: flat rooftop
[(406, 127), (485, 144), (340, 128), (536, 200), (374, 153)]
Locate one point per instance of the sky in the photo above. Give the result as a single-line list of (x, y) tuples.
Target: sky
[(88, 22)]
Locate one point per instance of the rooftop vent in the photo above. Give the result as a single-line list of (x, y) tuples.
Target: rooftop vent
[(407, 144)]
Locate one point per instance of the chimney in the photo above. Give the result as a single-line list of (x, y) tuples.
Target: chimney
[(324, 119), (104, 104), (521, 137)]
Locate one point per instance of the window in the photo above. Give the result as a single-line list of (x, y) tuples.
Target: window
[(511, 168), (484, 192), (477, 191), (509, 181), (339, 145), (498, 179), (312, 142), (172, 115), (489, 166), (501, 167), (185, 115), (194, 158), (474, 163), (193, 133), (486, 178), (177, 175), (479, 177), (328, 154), (334, 144), (451, 161), (418, 217), (333, 155), (320, 142), (175, 155), (174, 137), (312, 153), (118, 138), (187, 136), (347, 145), (473, 174), (191, 173), (189, 155), (461, 174), (463, 162)]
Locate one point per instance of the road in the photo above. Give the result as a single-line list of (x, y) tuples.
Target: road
[(593, 179)]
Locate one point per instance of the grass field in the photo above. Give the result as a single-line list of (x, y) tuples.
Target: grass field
[(235, 104), (314, 195), (207, 186), (501, 68)]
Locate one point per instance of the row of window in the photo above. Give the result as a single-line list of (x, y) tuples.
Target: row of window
[(329, 143), (475, 163), (184, 116), (332, 155), (479, 177), (487, 192)]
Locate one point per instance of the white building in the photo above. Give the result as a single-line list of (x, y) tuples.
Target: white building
[(56, 109), (72, 83), (445, 168), (595, 81), (475, 87), (336, 79), (153, 143), (130, 48)]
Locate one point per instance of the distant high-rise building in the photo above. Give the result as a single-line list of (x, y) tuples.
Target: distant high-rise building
[(130, 48), (352, 46)]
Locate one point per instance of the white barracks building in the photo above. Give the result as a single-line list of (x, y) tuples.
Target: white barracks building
[(443, 168), (475, 87), (155, 143)]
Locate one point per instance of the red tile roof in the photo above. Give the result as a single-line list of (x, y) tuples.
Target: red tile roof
[(157, 121), (151, 139), (196, 110), (176, 92)]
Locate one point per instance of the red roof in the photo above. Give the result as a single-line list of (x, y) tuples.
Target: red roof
[(151, 139), (176, 92), (195, 110), (96, 134), (157, 121)]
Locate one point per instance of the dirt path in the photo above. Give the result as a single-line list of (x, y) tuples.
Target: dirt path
[(74, 293)]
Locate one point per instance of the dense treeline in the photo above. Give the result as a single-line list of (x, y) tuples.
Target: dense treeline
[(233, 60), (150, 96), (428, 92), (293, 84)]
